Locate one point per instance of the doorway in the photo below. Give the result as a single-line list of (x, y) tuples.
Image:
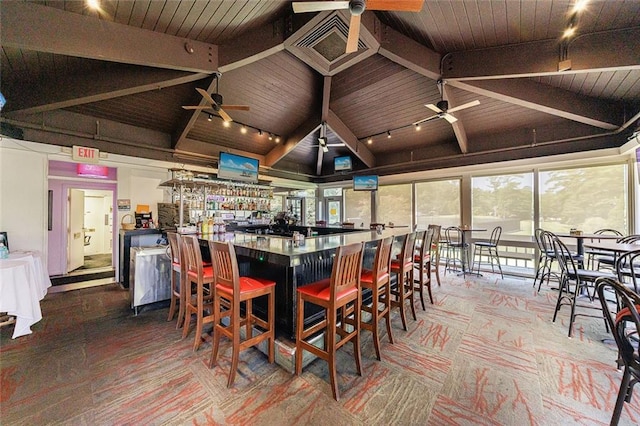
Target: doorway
[(333, 210)]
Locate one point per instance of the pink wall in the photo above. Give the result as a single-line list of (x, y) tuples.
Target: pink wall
[(57, 245)]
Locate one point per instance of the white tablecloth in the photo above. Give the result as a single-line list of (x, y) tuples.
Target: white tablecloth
[(23, 283)]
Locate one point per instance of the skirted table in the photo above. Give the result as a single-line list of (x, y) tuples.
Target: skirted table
[(23, 284)]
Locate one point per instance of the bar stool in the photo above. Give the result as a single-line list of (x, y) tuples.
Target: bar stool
[(202, 276), (435, 251), (178, 292), (341, 293), (233, 290), (378, 281), (454, 247), (491, 248), (403, 268), (422, 262)]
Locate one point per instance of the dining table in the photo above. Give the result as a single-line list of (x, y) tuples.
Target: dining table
[(23, 284), (467, 262), (593, 238), (612, 246)]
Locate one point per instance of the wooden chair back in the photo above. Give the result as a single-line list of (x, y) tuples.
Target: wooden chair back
[(347, 267)]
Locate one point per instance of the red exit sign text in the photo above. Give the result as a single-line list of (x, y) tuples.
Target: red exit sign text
[(85, 154)]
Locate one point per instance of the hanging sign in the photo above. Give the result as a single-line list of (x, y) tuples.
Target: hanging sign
[(85, 154)]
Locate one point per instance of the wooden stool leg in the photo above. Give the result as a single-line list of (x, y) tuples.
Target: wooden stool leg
[(429, 281), (330, 345), (172, 306), (299, 331), (271, 331), (374, 321), (183, 303), (421, 280), (248, 315), (216, 331), (356, 340), (235, 324), (400, 301)]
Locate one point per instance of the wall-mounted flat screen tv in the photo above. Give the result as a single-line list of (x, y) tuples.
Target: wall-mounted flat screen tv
[(237, 167), (365, 183), (342, 164)]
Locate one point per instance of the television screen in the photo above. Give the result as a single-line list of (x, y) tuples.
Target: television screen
[(365, 183), (237, 167), (341, 164)]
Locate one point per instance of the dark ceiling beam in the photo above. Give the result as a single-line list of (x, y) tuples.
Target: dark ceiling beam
[(606, 51), (409, 53), (562, 103), (88, 88), (189, 117), (350, 140), (326, 98), (458, 128), (258, 44), (48, 29), (212, 151), (281, 150)]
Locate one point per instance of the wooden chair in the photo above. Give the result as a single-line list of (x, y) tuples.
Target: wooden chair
[(340, 293), (435, 251), (377, 281), (230, 291), (202, 276), (625, 327), (402, 267), (422, 264), (178, 292)]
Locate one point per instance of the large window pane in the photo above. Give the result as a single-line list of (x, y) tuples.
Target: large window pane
[(357, 207), (505, 200), (438, 203), (588, 198), (395, 204)]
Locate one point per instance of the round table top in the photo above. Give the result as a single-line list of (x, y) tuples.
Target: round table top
[(612, 246)]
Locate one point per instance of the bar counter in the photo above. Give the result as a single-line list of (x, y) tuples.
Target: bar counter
[(291, 264)]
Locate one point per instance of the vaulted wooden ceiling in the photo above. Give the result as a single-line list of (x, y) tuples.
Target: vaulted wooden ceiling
[(117, 80)]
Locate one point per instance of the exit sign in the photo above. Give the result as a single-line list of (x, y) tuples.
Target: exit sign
[(86, 155)]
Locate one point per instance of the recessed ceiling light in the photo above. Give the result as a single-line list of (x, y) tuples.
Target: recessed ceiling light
[(93, 4)]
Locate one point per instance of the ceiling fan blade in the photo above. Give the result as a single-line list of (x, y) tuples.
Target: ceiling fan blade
[(450, 118), (463, 106), (237, 107), (224, 115), (403, 5), (434, 108), (335, 144), (206, 96), (318, 6), (196, 107), (354, 34), (433, 117)]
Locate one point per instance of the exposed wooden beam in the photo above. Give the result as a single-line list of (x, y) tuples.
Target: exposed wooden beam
[(555, 101), (47, 29), (251, 47), (409, 53), (213, 150), (88, 88), (281, 150), (350, 140), (598, 52), (326, 97), (458, 128)]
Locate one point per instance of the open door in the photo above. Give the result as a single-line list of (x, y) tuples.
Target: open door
[(75, 230)]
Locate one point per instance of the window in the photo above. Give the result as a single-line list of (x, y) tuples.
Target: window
[(394, 204), (587, 198), (357, 207), (504, 200), (438, 203), (333, 192)]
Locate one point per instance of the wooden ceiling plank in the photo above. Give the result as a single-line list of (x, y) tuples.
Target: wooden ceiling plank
[(613, 50), (410, 54), (251, 47), (350, 140), (311, 125), (326, 97), (87, 88), (565, 104), (55, 31)]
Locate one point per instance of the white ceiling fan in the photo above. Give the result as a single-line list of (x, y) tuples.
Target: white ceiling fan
[(441, 108), (356, 7), (322, 140)]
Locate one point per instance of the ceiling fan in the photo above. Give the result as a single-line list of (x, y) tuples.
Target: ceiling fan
[(322, 140), (441, 108), (356, 7), (216, 102)]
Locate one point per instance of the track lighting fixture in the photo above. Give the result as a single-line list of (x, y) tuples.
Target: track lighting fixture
[(388, 134), (243, 129), (418, 127), (270, 137), (210, 117), (260, 132), (370, 141), (277, 139), (226, 123)]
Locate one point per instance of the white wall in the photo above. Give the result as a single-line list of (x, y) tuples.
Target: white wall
[(23, 197)]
